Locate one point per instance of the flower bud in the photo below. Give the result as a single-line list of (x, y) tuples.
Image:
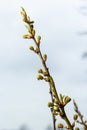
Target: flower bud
[(75, 117), (67, 100), (40, 71), (28, 19), (77, 128), (33, 32), (23, 14), (67, 127), (50, 104), (45, 73), (39, 77), (37, 50), (38, 39), (45, 57), (31, 48), (28, 28), (54, 113), (60, 126), (27, 36), (56, 108), (73, 124), (56, 101)]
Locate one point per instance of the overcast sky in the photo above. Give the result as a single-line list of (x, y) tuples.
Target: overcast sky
[(63, 27)]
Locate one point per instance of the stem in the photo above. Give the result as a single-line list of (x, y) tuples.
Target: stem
[(46, 69), (54, 122), (85, 127), (66, 119), (53, 116), (51, 83)]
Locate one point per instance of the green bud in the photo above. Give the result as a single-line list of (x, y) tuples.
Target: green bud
[(39, 77), (28, 18), (56, 101), (73, 124), (45, 57), (23, 14), (23, 10), (31, 48), (40, 71), (33, 32), (75, 117), (77, 128), (67, 100), (28, 28), (38, 39), (27, 36), (56, 108), (37, 50), (67, 127), (54, 112), (50, 104), (45, 73), (60, 126)]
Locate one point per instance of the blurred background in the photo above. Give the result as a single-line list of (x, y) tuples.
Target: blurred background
[(63, 27)]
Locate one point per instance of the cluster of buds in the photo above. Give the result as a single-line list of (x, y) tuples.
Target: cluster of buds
[(29, 25), (31, 32), (61, 126), (34, 50), (23, 14), (64, 100), (78, 117), (54, 108), (43, 75), (37, 50), (57, 106), (60, 104)]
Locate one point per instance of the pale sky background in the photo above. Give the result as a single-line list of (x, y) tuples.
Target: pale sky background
[(61, 23)]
